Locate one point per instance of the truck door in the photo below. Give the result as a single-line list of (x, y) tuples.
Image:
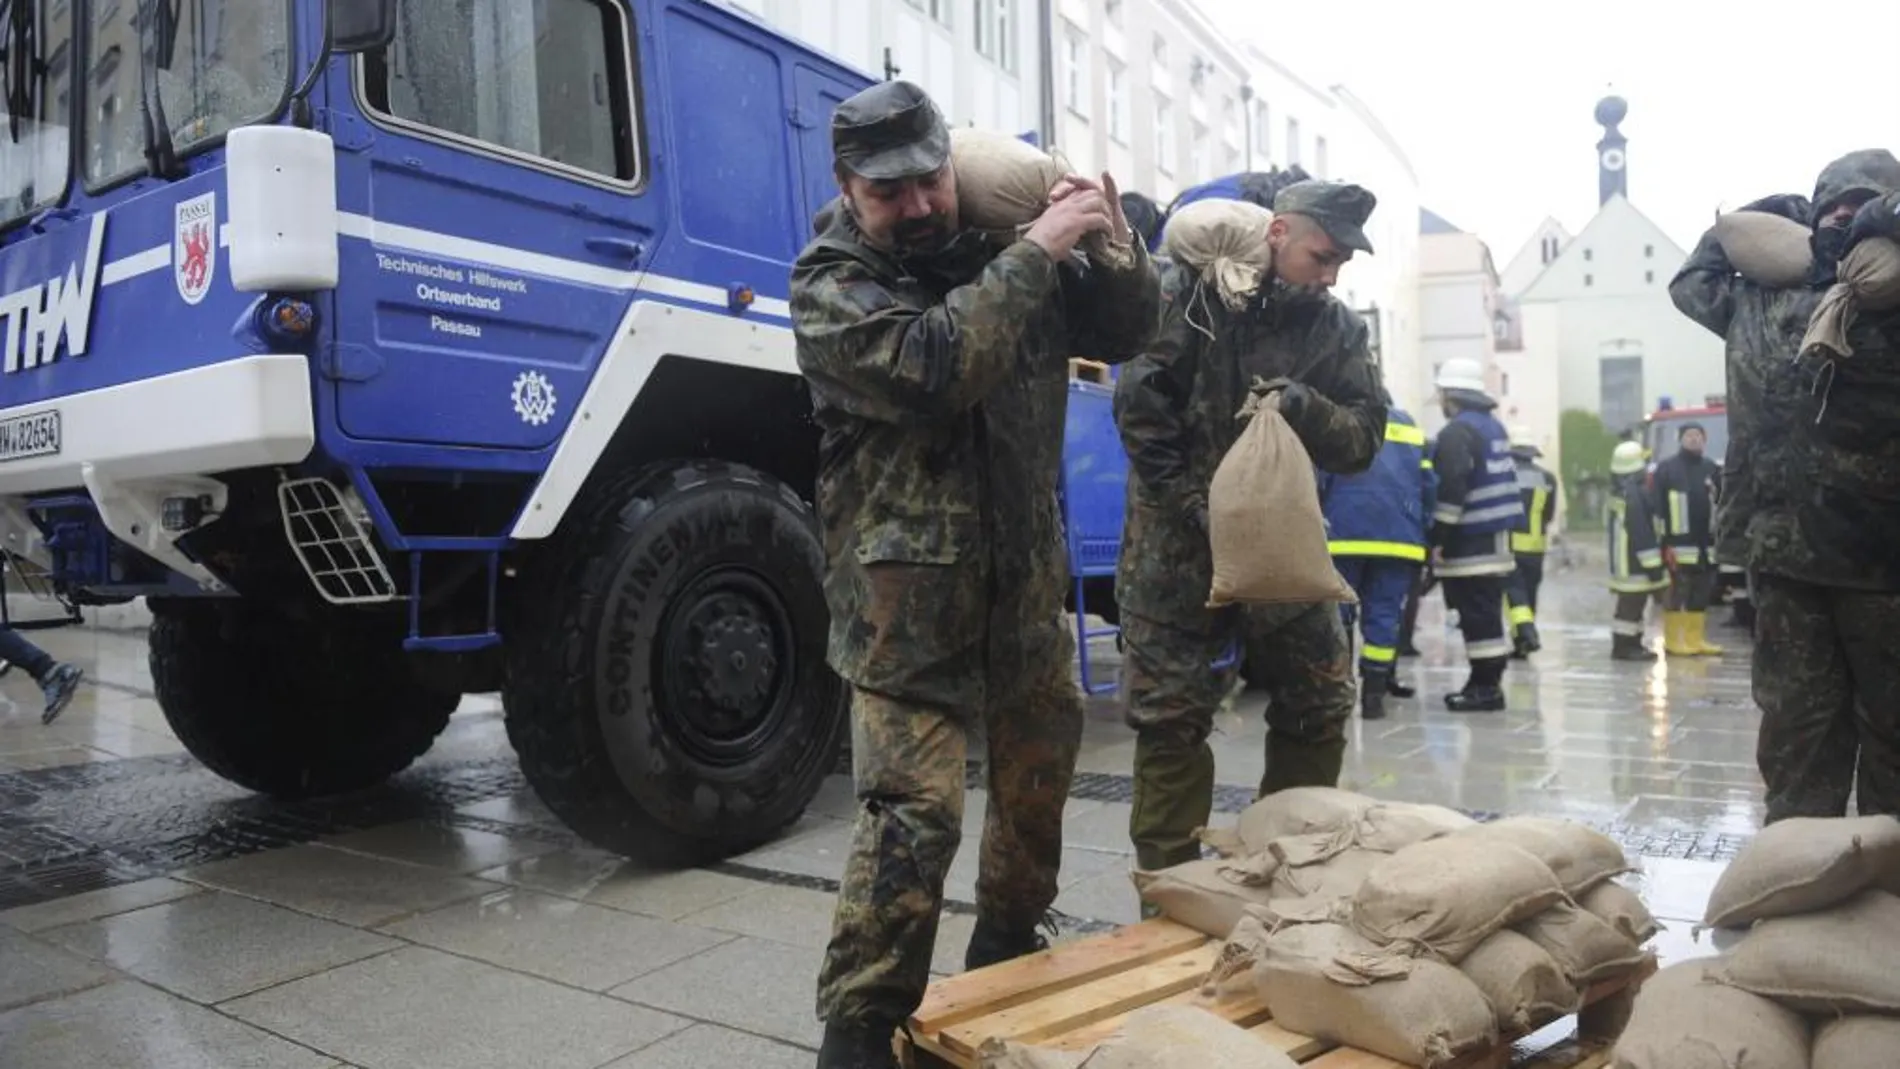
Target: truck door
[(817, 95), (497, 216)]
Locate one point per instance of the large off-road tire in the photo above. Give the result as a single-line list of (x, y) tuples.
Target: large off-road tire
[(667, 690), (291, 708)]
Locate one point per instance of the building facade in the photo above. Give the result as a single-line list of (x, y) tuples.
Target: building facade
[(1459, 307)]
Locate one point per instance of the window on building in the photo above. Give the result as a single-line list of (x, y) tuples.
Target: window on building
[(994, 31), (938, 10), (1075, 66), (1292, 142), (1649, 250), (1160, 54), (1550, 249), (1118, 102), (561, 98), (1319, 157), (1203, 158), (1230, 119), (1164, 135), (1262, 132), (1589, 280), (1587, 255), (1113, 9), (1649, 276), (1504, 382)]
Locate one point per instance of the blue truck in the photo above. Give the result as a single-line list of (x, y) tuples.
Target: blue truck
[(395, 350)]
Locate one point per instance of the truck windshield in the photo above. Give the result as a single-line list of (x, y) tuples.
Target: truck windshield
[(229, 65), (35, 149)]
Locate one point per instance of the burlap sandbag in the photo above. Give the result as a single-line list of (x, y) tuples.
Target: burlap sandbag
[(1323, 981), (1264, 522), (1207, 896), (1863, 1042), (1683, 1020), (1521, 981), (1579, 855), (1803, 864), (1225, 241), (1298, 811), (1583, 945), (1869, 282), (1620, 908), (1387, 827), (1003, 186), (1154, 1037), (1842, 960), (1445, 896), (1337, 877), (1768, 249)]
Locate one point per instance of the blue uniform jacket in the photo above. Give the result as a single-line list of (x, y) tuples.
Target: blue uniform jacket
[(1382, 512)]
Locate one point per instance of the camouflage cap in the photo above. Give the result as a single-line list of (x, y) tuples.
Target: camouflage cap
[(891, 130), (1340, 208)]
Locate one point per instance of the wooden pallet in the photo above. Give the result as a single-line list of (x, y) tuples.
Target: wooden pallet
[(1077, 994)]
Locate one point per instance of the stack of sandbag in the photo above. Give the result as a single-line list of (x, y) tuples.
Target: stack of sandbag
[(1003, 186), (1155, 1037), (1449, 943), (1814, 982), (1314, 844)]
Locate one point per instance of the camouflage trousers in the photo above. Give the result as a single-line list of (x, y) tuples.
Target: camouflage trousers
[(1827, 678), (1172, 687), (908, 761)]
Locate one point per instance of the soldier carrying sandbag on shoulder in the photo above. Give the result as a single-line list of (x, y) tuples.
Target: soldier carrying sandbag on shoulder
[(937, 360), (1177, 407)]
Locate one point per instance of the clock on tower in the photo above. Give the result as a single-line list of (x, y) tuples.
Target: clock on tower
[(1612, 158)]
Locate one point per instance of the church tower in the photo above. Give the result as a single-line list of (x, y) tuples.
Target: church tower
[(1612, 160)]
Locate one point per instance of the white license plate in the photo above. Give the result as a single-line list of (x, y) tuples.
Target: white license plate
[(35, 434)]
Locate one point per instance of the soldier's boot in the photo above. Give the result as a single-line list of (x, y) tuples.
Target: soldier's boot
[(1482, 694), (1630, 648), (1371, 699), (1698, 635), (1676, 641), (1396, 689), (993, 943), (1296, 762), (858, 1045)]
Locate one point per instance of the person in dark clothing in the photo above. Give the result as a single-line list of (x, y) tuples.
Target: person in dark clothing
[(1537, 487), (58, 681), (1477, 510), (1636, 561), (1682, 499)]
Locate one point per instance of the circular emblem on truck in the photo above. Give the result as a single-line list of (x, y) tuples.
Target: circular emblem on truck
[(534, 398)]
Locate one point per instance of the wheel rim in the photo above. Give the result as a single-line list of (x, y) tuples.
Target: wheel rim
[(727, 666)]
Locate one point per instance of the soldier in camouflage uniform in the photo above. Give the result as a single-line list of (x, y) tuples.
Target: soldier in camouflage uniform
[(938, 367), (1811, 503), (1176, 407)]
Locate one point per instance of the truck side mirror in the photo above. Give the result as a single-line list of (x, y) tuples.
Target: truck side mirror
[(361, 25)]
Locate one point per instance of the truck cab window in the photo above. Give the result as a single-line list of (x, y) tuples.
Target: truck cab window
[(34, 145), (229, 66), (547, 79)]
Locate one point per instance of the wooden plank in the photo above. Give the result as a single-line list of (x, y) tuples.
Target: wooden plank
[(1240, 1007), (1117, 995), (999, 987), (1292, 1044)]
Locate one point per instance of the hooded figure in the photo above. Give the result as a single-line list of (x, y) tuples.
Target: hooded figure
[(1811, 505)]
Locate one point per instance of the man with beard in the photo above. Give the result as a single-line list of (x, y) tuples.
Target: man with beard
[(1177, 408), (1683, 498), (1809, 505), (938, 368)]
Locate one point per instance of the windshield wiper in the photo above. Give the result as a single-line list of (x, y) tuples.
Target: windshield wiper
[(158, 33)]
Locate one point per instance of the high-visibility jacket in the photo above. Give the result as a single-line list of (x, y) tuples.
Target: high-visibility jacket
[(1683, 497), (1477, 504), (1636, 564), (1381, 512), (1537, 487)]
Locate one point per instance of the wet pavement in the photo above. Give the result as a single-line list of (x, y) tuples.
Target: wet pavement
[(152, 914)]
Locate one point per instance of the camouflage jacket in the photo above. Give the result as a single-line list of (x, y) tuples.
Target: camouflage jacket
[(1762, 329), (940, 387), (1176, 407)]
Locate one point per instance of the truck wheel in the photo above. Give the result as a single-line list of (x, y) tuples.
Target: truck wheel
[(291, 708), (667, 690)]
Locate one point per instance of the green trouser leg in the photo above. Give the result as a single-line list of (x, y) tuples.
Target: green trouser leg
[(1296, 762), (1174, 796)]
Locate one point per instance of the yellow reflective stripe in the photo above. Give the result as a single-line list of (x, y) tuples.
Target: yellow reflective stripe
[(1523, 615), (1425, 464), (1678, 512), (1379, 654), (1528, 543), (1539, 497), (1688, 555), (1376, 549), (1404, 435)]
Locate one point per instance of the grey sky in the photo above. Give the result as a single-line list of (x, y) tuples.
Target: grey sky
[(1492, 99)]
